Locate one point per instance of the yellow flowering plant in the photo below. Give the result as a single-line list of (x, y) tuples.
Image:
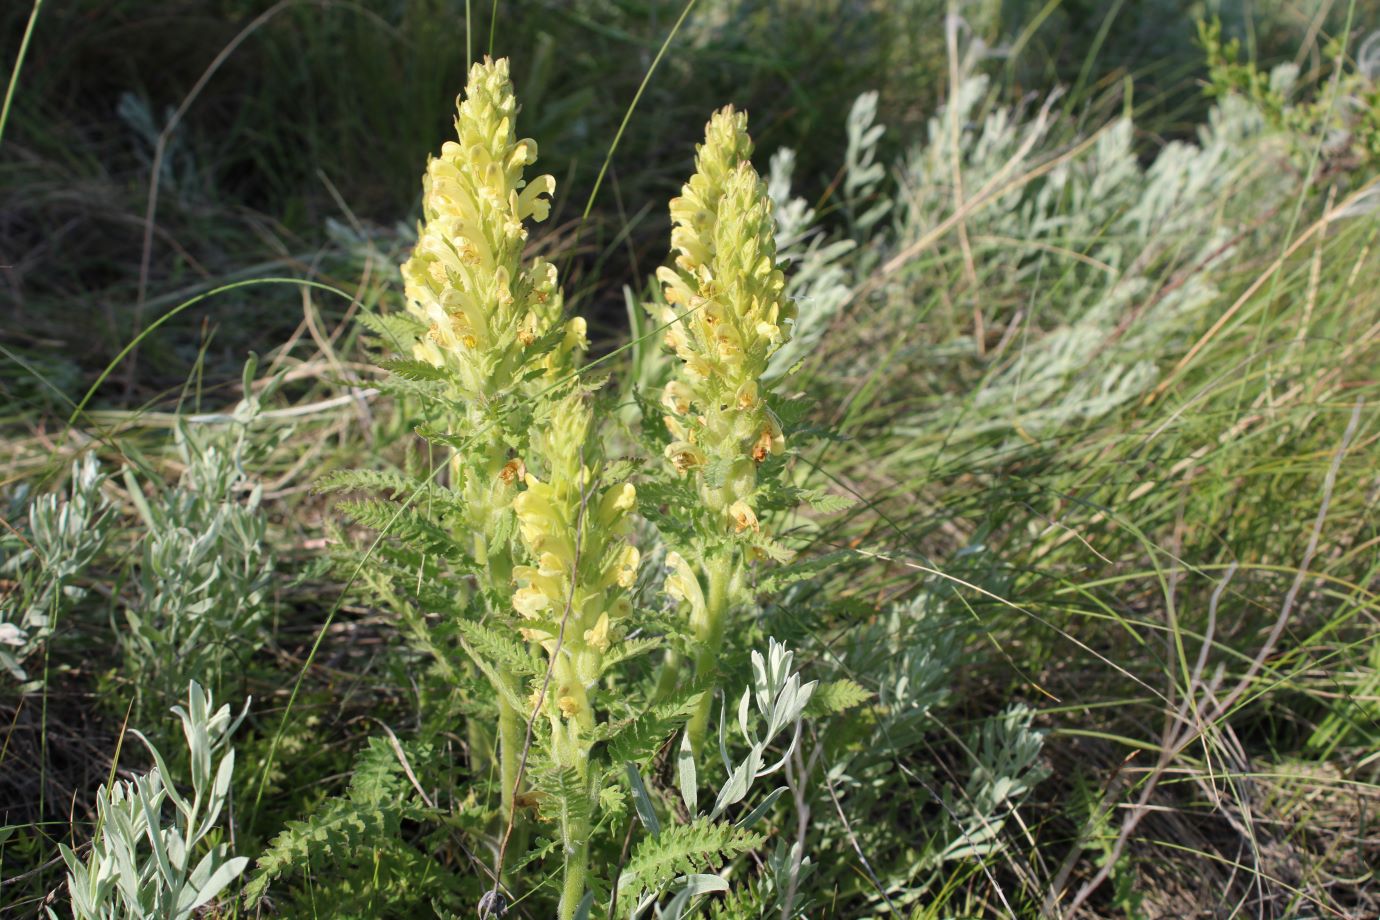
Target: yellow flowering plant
[(489, 315), (573, 600), (513, 567), (725, 314), (494, 328), (484, 340)]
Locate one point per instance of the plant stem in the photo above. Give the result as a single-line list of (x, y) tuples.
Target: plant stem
[(709, 637), (510, 734), (576, 868), (670, 673)]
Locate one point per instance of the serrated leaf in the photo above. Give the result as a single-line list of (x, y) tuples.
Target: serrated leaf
[(499, 648), (683, 850), (827, 502), (836, 696), (412, 369), (779, 578), (631, 648), (638, 739)]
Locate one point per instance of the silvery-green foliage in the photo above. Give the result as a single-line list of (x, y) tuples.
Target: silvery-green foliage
[(822, 277), (996, 145), (818, 279), (1104, 255), (780, 699), (1146, 224), (863, 174), (206, 568), (910, 657), (785, 869), (143, 866), (64, 534), (1006, 768), (769, 717)]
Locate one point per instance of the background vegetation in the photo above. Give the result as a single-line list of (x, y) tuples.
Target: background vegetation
[(1087, 309)]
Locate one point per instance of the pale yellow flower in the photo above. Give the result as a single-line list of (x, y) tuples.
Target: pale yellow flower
[(466, 278), (725, 298), (576, 532)]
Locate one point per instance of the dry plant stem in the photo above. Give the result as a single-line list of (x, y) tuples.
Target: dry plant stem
[(951, 25), (853, 838), (709, 637), (160, 150), (1318, 226)]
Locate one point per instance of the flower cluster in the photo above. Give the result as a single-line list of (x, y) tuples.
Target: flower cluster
[(466, 278), (575, 529), (492, 319), (728, 314)]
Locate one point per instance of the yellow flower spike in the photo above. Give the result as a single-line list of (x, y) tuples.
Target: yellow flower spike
[(615, 504), (726, 299), (597, 636), (677, 397), (685, 456), (576, 532), (530, 602), (466, 278), (743, 516), (676, 427)]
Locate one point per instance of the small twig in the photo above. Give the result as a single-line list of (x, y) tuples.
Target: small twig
[(1317, 227), (1329, 483), (406, 765), (1172, 743), (225, 418), (618, 870), (1176, 741), (802, 824)]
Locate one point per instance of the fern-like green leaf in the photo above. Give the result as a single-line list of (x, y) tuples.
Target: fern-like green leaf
[(826, 502), (392, 332), (631, 648), (695, 847), (367, 815), (404, 522), (782, 576), (836, 696), (637, 740), (412, 369), (498, 648), (378, 482)]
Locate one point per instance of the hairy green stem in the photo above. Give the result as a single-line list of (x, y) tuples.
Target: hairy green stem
[(510, 734), (669, 675), (576, 868), (709, 638)]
